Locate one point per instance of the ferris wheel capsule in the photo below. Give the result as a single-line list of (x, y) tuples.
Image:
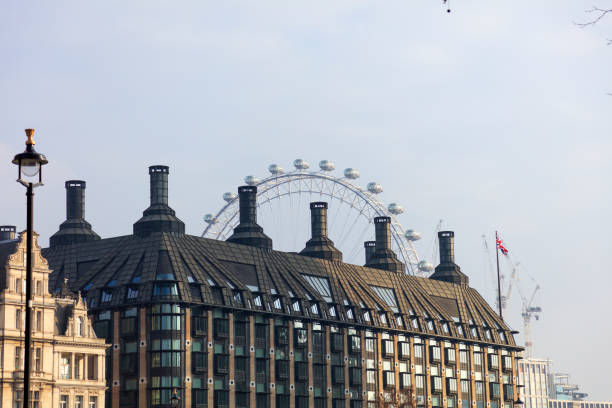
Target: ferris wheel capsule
[(229, 197), (326, 165), (425, 266), (395, 208), (209, 219), (301, 164), (351, 173), (275, 169), (412, 235), (251, 180), (374, 188)]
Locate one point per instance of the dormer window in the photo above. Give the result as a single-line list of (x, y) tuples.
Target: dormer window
[(106, 297)]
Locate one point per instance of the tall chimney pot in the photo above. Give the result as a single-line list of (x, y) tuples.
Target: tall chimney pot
[(75, 199), (384, 257), (248, 232), (370, 248), (159, 184), (448, 270), (320, 246), (159, 217), (75, 229)]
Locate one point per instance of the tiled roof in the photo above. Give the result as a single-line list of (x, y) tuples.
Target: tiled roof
[(132, 269)]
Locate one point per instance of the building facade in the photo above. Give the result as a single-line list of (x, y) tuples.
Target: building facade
[(68, 360), (237, 324), (534, 374)]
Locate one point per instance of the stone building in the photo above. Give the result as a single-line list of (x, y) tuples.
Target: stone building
[(68, 369), (237, 324)]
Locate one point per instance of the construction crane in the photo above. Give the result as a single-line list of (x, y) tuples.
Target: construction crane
[(434, 243), (529, 310), (528, 307)]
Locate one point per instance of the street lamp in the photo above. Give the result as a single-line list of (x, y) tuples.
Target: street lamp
[(175, 400), (29, 167)]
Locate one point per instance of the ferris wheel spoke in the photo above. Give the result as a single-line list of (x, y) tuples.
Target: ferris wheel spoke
[(352, 204), (358, 246)]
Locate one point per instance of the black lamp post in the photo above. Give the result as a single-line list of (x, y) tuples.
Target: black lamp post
[(29, 167), (175, 400)]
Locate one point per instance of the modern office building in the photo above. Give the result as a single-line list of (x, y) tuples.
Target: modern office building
[(534, 375), (237, 324), (67, 359), (564, 394)]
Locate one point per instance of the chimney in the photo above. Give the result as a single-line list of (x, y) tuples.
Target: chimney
[(318, 219), (248, 232), (75, 229), (159, 184), (446, 241), (7, 232), (448, 270), (320, 246), (159, 217), (370, 248), (75, 199), (384, 257)]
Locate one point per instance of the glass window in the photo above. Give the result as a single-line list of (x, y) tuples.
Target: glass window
[(106, 296), (132, 292), (64, 403), (93, 402), (65, 363)]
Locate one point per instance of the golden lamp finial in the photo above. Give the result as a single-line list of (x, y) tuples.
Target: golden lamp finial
[(30, 135)]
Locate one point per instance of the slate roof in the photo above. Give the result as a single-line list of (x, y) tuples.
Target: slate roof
[(232, 275)]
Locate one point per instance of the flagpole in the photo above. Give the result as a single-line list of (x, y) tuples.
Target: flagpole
[(499, 299)]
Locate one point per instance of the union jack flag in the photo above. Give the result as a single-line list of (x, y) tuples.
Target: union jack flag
[(501, 247)]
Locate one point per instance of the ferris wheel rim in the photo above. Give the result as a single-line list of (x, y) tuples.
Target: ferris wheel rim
[(405, 246)]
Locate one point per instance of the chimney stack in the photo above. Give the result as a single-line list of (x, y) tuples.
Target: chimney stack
[(159, 217), (248, 232), (7, 232), (320, 246), (75, 229), (370, 248), (384, 257), (159, 184), (75, 200), (448, 270), (446, 240)]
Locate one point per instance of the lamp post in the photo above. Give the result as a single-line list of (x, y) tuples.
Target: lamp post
[(29, 167)]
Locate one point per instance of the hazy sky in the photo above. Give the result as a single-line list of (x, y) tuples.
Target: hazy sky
[(495, 116)]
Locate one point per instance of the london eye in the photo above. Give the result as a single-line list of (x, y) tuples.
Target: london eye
[(282, 200)]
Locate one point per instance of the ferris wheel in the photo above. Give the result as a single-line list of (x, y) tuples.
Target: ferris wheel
[(282, 201)]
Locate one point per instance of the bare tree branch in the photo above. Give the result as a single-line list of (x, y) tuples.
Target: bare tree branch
[(599, 14)]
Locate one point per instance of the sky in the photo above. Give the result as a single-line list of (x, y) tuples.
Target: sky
[(495, 116)]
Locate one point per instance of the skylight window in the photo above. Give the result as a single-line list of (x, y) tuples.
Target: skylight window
[(321, 285), (388, 295)]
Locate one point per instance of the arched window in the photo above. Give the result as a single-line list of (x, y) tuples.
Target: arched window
[(80, 328)]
